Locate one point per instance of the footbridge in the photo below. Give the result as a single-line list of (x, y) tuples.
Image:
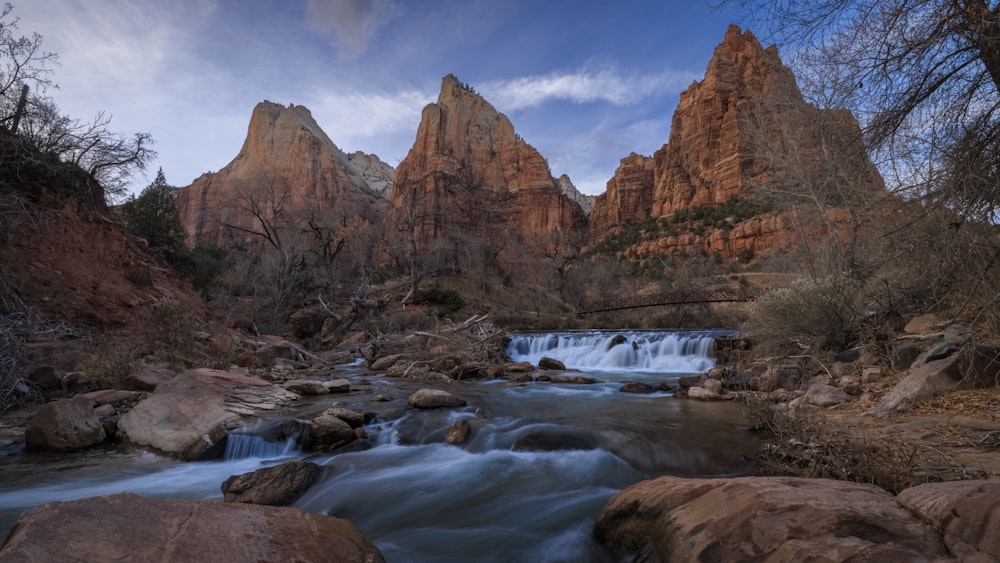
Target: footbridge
[(680, 297)]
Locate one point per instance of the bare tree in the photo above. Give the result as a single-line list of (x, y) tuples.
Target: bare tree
[(22, 62)]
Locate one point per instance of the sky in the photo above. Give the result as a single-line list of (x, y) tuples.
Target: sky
[(586, 82)]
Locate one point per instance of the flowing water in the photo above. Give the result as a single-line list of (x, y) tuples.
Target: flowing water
[(528, 485)]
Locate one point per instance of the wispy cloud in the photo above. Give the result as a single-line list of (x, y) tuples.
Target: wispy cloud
[(352, 23), (605, 84)]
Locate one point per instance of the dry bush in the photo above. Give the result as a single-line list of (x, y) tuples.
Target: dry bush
[(805, 446), (107, 362), (817, 314)]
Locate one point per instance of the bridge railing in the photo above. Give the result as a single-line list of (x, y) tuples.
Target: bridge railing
[(672, 298)]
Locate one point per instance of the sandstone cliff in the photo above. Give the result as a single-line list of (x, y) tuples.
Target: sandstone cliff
[(744, 130), (585, 201), (471, 183), (288, 173)]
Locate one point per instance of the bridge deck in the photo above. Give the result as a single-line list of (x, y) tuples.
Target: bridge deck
[(672, 298)]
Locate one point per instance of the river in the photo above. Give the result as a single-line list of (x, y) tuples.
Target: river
[(528, 485)]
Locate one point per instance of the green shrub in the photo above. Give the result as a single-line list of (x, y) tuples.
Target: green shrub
[(446, 301)]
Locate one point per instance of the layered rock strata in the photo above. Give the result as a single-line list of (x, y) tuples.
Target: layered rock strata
[(744, 130), (470, 181)]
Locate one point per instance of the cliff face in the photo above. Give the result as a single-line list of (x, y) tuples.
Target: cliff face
[(288, 171), (470, 181), (745, 126)]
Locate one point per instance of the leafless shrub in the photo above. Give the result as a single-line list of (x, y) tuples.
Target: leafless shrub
[(818, 314)]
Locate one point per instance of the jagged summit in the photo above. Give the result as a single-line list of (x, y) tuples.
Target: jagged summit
[(470, 177), (286, 156), (746, 106)]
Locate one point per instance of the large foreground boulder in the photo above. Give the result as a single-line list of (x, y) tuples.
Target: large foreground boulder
[(187, 415), (183, 417), (127, 527), (763, 518), (965, 513), (64, 425)]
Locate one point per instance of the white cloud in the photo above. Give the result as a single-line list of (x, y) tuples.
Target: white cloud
[(352, 23), (586, 85)]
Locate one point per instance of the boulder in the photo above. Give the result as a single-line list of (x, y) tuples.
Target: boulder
[(637, 387), (551, 363), (572, 379), (688, 381), (823, 395), (127, 527), (787, 377), (519, 367), (306, 387), (329, 432), (279, 485), (385, 362), (47, 377), (339, 385), (965, 513), (762, 518), (703, 394), (434, 398), (352, 417), (553, 437), (973, 367), (458, 432), (148, 378), (183, 417), (64, 425)]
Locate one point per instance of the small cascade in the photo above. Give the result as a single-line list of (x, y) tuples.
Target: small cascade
[(244, 446), (652, 351)]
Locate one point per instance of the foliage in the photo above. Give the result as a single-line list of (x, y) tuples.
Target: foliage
[(818, 313), (153, 216), (209, 264), (696, 219), (446, 301)]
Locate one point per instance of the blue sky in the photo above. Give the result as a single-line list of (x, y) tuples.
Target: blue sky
[(585, 82)]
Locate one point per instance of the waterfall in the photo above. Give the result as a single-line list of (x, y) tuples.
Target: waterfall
[(243, 446), (652, 351)]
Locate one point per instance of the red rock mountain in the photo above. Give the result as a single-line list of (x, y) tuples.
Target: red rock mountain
[(744, 126), (288, 171), (470, 182)]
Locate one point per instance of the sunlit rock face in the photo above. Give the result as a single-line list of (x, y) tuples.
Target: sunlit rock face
[(470, 182), (288, 171), (744, 127)]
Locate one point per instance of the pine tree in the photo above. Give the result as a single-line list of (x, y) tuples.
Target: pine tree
[(153, 216)]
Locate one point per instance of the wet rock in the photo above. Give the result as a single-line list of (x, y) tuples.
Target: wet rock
[(148, 378), (339, 385), (64, 426), (306, 387), (352, 417), (379, 398), (279, 485), (551, 364), (688, 381), (572, 379), (458, 432), (328, 432), (617, 339), (762, 518), (433, 399), (496, 372), (469, 370), (964, 513), (552, 437), (129, 527), (637, 387), (823, 395), (519, 367), (703, 394)]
